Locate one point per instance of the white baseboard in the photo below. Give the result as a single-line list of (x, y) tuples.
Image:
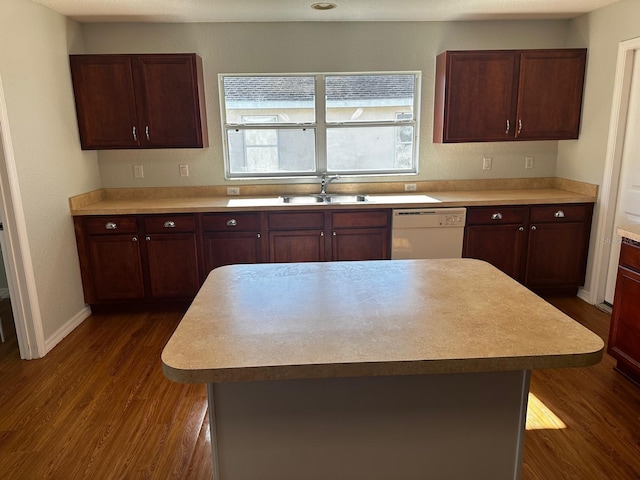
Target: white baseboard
[(585, 295), (66, 329)]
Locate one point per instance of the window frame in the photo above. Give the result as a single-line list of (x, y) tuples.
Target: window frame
[(320, 127)]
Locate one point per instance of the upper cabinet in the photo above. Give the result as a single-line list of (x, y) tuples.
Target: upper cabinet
[(506, 95), (139, 101)]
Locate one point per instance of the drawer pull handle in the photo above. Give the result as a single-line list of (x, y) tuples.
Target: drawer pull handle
[(232, 222), (111, 225), (322, 234), (559, 214), (496, 216), (146, 132), (521, 229), (135, 134), (134, 239), (533, 227), (508, 128), (147, 238), (169, 224), (519, 127)]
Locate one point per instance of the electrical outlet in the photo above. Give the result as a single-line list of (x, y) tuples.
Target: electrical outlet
[(486, 163), (528, 162), (184, 170), (138, 172), (409, 187), (233, 190)]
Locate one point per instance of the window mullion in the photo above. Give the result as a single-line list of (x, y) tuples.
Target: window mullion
[(321, 125)]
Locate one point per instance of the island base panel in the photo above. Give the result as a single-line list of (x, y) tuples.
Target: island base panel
[(455, 426)]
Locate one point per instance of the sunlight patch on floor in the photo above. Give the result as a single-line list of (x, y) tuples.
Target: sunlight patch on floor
[(540, 417)]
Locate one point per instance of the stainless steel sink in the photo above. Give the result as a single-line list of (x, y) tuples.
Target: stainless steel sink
[(319, 199)]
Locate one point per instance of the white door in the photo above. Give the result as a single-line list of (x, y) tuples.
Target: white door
[(628, 204)]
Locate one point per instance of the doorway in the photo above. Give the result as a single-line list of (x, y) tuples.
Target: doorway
[(620, 200)]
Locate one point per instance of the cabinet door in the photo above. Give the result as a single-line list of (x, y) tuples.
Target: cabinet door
[(115, 268), (173, 265), (296, 246), (105, 101), (503, 246), (169, 101), (360, 244), (478, 91), (224, 248), (556, 256), (550, 94), (624, 336)]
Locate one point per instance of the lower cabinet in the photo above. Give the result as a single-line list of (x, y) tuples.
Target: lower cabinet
[(360, 235), (296, 236), (230, 238), (542, 246), (138, 258), (624, 335)]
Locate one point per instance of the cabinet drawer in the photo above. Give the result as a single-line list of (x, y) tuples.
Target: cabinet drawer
[(361, 219), (111, 225), (497, 215), (561, 213), (236, 222), (630, 256), (170, 223), (295, 221)]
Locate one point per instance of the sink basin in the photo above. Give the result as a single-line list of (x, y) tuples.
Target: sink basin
[(319, 199)]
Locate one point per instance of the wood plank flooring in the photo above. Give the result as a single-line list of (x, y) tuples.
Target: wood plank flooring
[(98, 407)]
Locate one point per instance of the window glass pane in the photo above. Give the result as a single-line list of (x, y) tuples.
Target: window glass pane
[(369, 98), (372, 149), (271, 151), (267, 99)]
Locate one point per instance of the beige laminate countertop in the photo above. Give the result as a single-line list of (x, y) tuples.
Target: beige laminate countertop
[(190, 204), (631, 232), (371, 318)]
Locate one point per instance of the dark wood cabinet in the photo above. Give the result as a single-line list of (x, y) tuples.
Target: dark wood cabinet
[(171, 254), (624, 334), (362, 235), (139, 101), (138, 258), (505, 95), (296, 236), (557, 248), (497, 235), (543, 247), (230, 238)]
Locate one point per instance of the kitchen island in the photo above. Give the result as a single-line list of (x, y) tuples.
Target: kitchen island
[(371, 370)]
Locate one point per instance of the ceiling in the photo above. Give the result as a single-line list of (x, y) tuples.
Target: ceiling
[(301, 11)]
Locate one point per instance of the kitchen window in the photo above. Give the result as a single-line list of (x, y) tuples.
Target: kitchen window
[(301, 125)]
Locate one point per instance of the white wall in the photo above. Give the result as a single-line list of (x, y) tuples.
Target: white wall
[(34, 45), (311, 47)]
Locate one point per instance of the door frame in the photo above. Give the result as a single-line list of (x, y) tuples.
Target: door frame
[(613, 163), (15, 251)]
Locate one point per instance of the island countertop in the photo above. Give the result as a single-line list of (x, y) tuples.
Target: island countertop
[(371, 318)]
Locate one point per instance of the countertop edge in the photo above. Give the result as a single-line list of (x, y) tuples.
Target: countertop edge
[(375, 369)]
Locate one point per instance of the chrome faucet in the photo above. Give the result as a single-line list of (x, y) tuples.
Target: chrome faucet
[(325, 180)]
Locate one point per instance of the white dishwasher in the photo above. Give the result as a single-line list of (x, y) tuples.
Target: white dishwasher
[(427, 233)]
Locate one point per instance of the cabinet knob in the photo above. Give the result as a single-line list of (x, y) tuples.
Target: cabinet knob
[(232, 222), (533, 227), (496, 216), (258, 236), (334, 234), (322, 234), (559, 214), (147, 238), (521, 229), (134, 239), (169, 224), (111, 225)]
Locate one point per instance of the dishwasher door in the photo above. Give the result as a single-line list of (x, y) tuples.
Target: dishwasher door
[(427, 233)]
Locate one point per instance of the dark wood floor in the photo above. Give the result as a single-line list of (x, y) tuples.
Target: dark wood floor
[(98, 407)]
